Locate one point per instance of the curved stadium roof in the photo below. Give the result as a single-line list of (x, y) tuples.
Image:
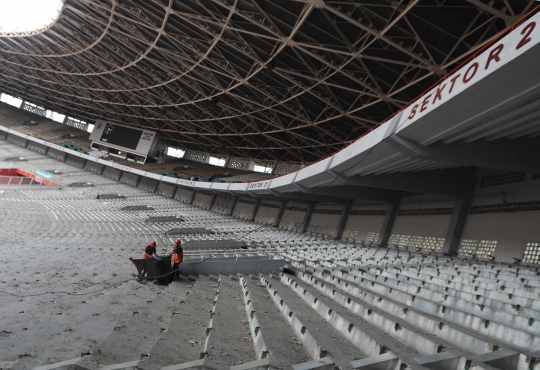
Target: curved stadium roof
[(269, 80)]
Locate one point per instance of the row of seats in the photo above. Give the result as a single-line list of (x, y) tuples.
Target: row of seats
[(42, 128), (76, 139), (249, 177), (187, 169), (338, 303)]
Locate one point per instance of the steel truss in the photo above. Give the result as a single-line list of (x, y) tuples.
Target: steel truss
[(263, 79)]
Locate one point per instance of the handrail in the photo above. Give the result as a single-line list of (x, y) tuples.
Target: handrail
[(19, 181)]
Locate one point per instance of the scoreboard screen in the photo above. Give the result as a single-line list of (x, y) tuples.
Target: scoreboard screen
[(121, 136)]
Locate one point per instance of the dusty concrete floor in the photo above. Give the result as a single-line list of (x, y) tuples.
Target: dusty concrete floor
[(66, 240), (51, 250)]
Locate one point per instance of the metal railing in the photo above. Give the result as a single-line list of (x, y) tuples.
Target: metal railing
[(18, 181)]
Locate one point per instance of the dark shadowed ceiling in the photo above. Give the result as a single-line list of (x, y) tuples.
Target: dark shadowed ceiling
[(265, 79)]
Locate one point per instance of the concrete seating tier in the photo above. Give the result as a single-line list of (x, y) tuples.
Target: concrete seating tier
[(43, 128), (184, 168), (336, 303)]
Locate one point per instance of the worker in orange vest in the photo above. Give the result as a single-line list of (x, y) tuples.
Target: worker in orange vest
[(177, 258), (149, 252)]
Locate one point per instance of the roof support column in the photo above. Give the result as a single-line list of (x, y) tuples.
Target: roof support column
[(457, 225), (280, 213), (195, 191), (212, 201), (343, 218), (233, 206), (388, 224), (255, 209), (307, 217)]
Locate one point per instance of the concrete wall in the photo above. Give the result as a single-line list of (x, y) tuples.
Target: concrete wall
[(364, 224), (92, 166), (166, 189), (17, 140), (432, 225), (223, 203), (112, 173), (228, 266), (147, 184), (202, 200), (291, 217), (183, 195), (74, 160), (56, 154), (324, 220), (268, 211), (36, 147), (129, 178), (243, 209), (511, 230)]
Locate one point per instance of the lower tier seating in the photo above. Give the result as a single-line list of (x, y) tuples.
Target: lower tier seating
[(335, 303)]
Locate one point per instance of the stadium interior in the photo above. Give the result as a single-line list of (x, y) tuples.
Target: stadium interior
[(355, 183)]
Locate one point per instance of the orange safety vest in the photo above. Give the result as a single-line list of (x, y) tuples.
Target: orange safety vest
[(178, 257)]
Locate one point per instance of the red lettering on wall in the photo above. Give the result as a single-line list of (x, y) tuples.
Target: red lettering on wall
[(526, 32), (468, 76), (453, 80), (413, 111), (438, 93), (494, 55), (424, 103)]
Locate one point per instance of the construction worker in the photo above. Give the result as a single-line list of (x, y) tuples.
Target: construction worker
[(151, 246), (177, 258), (149, 252)]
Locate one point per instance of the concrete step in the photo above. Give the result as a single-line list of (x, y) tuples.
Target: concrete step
[(492, 332), (133, 341), (229, 342), (364, 330), (185, 338), (69, 327), (447, 329), (325, 337), (268, 325), (332, 281)]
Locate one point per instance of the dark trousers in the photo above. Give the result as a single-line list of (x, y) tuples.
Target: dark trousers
[(175, 271), (143, 272)]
